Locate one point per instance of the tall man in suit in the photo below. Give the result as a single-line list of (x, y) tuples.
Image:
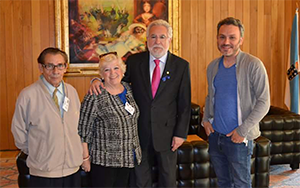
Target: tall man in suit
[(161, 87)]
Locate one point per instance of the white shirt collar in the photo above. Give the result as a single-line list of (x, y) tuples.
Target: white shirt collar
[(163, 59), (50, 87)]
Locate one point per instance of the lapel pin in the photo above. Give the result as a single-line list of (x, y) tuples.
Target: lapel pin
[(167, 77)]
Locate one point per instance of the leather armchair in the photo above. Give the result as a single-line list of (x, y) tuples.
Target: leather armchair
[(282, 127)]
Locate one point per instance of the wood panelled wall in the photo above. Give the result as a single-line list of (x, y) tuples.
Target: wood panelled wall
[(27, 27), (267, 34)]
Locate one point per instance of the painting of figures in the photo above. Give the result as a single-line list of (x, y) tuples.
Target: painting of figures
[(101, 26)]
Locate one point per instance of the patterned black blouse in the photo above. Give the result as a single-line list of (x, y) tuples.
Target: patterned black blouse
[(110, 130)]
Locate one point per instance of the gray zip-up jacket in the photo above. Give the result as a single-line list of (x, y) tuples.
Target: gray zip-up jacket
[(253, 93)]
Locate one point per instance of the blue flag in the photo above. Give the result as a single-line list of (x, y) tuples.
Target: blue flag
[(292, 71)]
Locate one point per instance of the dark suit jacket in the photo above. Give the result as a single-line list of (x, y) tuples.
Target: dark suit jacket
[(168, 114)]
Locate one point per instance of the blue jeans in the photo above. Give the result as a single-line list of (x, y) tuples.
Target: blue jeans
[(231, 161)]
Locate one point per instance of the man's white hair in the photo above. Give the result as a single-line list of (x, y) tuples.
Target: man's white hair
[(160, 22)]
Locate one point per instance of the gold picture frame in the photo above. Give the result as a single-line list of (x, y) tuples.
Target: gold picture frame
[(89, 69)]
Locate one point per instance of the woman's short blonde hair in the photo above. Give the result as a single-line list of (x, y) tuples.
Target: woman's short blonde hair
[(109, 58)]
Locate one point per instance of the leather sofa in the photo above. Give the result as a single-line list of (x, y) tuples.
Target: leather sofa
[(282, 128), (193, 167)]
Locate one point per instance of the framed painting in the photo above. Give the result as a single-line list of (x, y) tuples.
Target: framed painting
[(85, 29)]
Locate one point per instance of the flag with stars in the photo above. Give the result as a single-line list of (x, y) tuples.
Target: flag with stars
[(292, 86)]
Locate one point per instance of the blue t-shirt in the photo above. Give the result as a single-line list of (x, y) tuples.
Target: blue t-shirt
[(225, 115)]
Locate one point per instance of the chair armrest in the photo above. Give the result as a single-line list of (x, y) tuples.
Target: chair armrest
[(21, 163), (262, 161), (195, 119)]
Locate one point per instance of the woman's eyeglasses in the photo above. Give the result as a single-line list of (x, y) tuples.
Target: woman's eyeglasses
[(103, 55)]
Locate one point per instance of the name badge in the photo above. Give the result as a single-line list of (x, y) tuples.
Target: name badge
[(66, 104), (129, 108)]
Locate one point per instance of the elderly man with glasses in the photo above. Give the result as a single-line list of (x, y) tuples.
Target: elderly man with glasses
[(45, 124)]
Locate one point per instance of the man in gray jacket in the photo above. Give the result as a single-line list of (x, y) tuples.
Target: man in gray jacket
[(45, 124), (238, 98)]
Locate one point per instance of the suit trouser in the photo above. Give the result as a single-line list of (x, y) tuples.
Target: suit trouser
[(73, 180), (109, 176), (166, 164)]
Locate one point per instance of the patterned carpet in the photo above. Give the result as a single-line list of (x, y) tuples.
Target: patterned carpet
[(281, 175), (8, 172)]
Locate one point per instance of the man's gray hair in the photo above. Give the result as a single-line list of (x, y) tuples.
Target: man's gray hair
[(160, 22)]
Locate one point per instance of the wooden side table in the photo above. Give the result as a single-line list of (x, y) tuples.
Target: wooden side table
[(193, 137)]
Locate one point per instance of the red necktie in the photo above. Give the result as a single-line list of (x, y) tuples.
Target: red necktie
[(155, 77)]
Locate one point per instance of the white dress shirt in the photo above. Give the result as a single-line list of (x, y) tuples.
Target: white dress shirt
[(162, 64)]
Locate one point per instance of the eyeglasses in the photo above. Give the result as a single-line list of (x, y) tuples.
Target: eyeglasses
[(139, 30), (61, 66), (103, 55), (161, 37)]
